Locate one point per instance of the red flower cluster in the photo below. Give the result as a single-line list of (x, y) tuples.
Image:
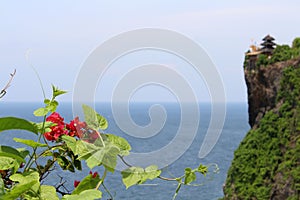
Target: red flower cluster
[(74, 128), (94, 175)]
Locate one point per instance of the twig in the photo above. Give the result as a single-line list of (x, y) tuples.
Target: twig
[(61, 184), (167, 179), (3, 91), (124, 161), (108, 192)]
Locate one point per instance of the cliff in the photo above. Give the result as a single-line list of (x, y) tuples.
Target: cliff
[(266, 165), (263, 85)]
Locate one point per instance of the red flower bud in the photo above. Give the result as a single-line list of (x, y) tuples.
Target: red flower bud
[(76, 183), (95, 174)]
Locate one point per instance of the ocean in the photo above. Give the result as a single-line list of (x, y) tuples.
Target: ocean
[(235, 128)]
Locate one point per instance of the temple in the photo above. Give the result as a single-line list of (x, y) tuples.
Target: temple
[(268, 45), (267, 49)]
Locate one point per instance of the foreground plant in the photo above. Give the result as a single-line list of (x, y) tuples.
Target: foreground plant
[(67, 144)]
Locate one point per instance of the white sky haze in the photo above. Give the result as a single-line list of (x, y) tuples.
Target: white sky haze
[(58, 36)]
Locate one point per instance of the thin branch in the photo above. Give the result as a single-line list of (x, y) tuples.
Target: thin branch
[(3, 91), (108, 192), (124, 161), (61, 184), (167, 179)]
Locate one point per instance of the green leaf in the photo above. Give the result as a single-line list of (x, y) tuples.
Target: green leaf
[(41, 112), (137, 175), (90, 117), (104, 155), (23, 152), (151, 172), (17, 191), (47, 101), (56, 92), (77, 164), (87, 183), (93, 119), (132, 176), (202, 169), (1, 187), (48, 193), (78, 148), (190, 176), (30, 143), (65, 163), (70, 141), (32, 177), (90, 194), (84, 149), (110, 156), (121, 143), (103, 124), (26, 182), (7, 163), (44, 126), (10, 123), (94, 155), (7, 151), (52, 106)]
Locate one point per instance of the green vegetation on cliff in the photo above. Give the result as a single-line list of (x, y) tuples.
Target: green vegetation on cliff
[(284, 52), (266, 165), (281, 53)]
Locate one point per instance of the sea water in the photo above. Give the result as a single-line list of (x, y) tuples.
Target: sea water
[(235, 128)]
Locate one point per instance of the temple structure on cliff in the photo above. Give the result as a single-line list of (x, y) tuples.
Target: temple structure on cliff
[(252, 57), (268, 45), (267, 48)]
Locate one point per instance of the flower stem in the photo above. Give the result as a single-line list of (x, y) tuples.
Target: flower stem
[(102, 179)]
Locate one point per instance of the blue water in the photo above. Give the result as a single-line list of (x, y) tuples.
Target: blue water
[(235, 128)]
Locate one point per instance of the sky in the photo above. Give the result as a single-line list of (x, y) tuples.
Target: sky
[(54, 39)]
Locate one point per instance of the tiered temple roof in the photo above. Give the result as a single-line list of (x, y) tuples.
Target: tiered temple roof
[(268, 45), (267, 49)]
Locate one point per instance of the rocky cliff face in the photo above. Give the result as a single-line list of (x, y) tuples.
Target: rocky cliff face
[(262, 87), (266, 165)]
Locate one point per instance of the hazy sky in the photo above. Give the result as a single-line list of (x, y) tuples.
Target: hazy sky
[(58, 36)]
